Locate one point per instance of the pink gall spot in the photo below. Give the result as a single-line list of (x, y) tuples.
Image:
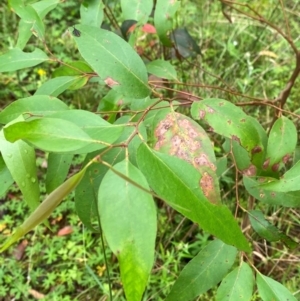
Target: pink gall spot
[(148, 28), (275, 167), (110, 82), (202, 114), (206, 183), (201, 160), (176, 141), (192, 133), (266, 163), (286, 158), (236, 138), (250, 171), (261, 180), (256, 149)]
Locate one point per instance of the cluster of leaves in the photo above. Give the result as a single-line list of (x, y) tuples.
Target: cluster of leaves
[(138, 147)]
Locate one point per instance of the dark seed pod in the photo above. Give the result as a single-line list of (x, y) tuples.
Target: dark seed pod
[(76, 32)]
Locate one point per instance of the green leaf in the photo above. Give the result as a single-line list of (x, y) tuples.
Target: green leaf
[(57, 171), (241, 156), (203, 272), (267, 231), (146, 103), (72, 69), (221, 166), (6, 179), (16, 59), (91, 13), (86, 192), (237, 285), (86, 195), (24, 33), (177, 182), (281, 144), (58, 85), (123, 70), (20, 159), (285, 199), (262, 226), (49, 134), (163, 19), (44, 7), (101, 132), (270, 289), (138, 10), (162, 69), (290, 181), (128, 219), (30, 16), (184, 43), (180, 136), (43, 211), (230, 121), (24, 29), (34, 105)]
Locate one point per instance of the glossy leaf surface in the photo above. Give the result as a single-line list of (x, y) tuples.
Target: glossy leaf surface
[(176, 182), (41, 105), (49, 134), (128, 219), (123, 71), (6, 179), (101, 132), (20, 159), (203, 272)]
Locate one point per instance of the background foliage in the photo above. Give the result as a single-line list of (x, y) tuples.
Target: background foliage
[(217, 72)]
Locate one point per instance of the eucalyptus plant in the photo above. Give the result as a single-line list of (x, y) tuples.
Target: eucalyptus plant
[(139, 147)]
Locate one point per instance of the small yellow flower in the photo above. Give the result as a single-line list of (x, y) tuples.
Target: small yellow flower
[(100, 270), (41, 72)]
